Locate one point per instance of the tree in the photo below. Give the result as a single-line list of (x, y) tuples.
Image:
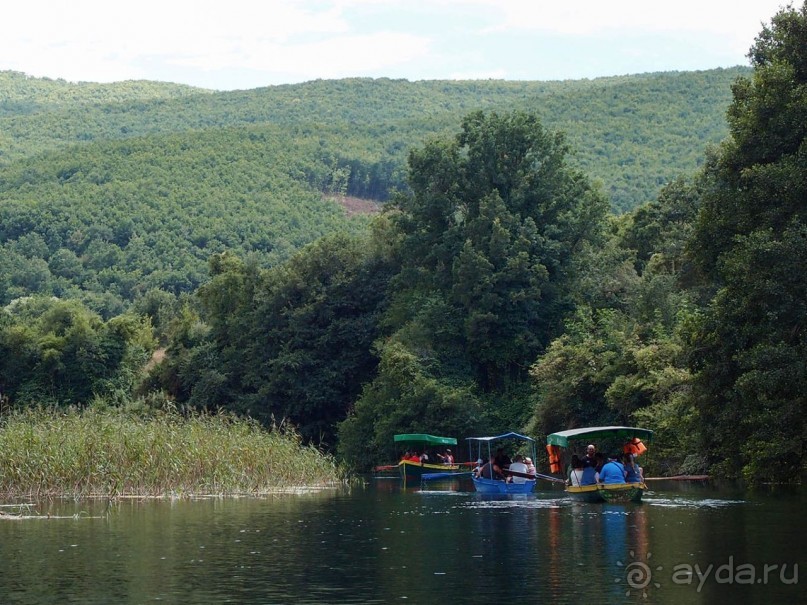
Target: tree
[(495, 219), (292, 343), (487, 241), (59, 352), (750, 377)]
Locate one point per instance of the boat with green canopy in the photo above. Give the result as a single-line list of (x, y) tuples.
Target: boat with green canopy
[(413, 467), (622, 441)]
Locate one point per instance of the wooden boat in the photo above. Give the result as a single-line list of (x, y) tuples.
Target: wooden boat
[(414, 471), (608, 492), (515, 482), (611, 492)]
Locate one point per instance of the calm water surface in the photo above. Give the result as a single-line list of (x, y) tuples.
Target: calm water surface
[(384, 544)]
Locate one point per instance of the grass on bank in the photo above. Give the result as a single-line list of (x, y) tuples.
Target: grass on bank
[(108, 452)]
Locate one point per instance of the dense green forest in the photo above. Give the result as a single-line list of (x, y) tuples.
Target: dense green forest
[(549, 255), (632, 132), (118, 193)]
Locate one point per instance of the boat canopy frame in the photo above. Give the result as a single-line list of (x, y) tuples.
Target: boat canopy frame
[(563, 438), (481, 440)]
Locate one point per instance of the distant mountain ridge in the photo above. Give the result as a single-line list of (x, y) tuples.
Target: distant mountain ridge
[(632, 132), (111, 191)]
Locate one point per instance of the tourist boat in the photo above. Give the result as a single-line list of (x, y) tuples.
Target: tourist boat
[(412, 470), (515, 482), (634, 438)]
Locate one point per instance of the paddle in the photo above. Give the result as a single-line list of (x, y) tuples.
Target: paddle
[(446, 475), (386, 467), (507, 471), (679, 478)]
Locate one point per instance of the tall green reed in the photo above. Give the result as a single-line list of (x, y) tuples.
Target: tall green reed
[(109, 452)]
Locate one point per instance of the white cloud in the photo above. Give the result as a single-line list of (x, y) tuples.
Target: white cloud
[(103, 40), (591, 16), (291, 40), (736, 20)]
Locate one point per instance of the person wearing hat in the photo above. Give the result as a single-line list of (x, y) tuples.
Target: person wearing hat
[(447, 458), (530, 465)]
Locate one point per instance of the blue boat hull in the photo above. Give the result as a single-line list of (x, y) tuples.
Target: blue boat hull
[(495, 486)]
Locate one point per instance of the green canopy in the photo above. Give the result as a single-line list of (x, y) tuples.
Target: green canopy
[(592, 433), (424, 438)]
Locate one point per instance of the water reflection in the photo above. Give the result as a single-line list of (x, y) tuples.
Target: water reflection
[(384, 544)]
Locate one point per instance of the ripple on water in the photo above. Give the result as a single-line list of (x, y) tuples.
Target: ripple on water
[(514, 503), (691, 503)]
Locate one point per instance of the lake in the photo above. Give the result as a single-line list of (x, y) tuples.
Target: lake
[(381, 543)]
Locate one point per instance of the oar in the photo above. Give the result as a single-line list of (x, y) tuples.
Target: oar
[(386, 467), (507, 471), (679, 478)]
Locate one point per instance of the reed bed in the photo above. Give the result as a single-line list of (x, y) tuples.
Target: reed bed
[(103, 452)]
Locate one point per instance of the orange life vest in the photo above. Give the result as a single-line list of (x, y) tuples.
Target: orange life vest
[(554, 458), (635, 447)]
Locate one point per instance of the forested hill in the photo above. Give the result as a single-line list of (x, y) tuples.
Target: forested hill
[(110, 191), (163, 246), (634, 133), (23, 94)]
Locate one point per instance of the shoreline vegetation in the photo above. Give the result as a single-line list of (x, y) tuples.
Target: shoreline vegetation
[(112, 453)]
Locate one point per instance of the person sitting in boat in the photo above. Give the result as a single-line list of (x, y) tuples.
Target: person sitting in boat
[(491, 470), (599, 461), (424, 457), (531, 470), (590, 465), (590, 458), (447, 458), (576, 475), (633, 472), (478, 467), (612, 471), (413, 457), (518, 466), (502, 459)]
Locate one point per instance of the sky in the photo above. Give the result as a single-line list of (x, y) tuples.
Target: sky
[(244, 44)]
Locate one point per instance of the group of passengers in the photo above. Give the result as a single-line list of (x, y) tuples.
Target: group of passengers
[(595, 468), (423, 457), (502, 468)]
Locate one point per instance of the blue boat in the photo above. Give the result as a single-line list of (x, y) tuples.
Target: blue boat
[(514, 481)]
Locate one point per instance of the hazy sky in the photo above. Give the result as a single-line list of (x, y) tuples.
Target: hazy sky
[(230, 44)]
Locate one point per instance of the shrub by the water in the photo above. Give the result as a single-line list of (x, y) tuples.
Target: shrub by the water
[(99, 452)]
